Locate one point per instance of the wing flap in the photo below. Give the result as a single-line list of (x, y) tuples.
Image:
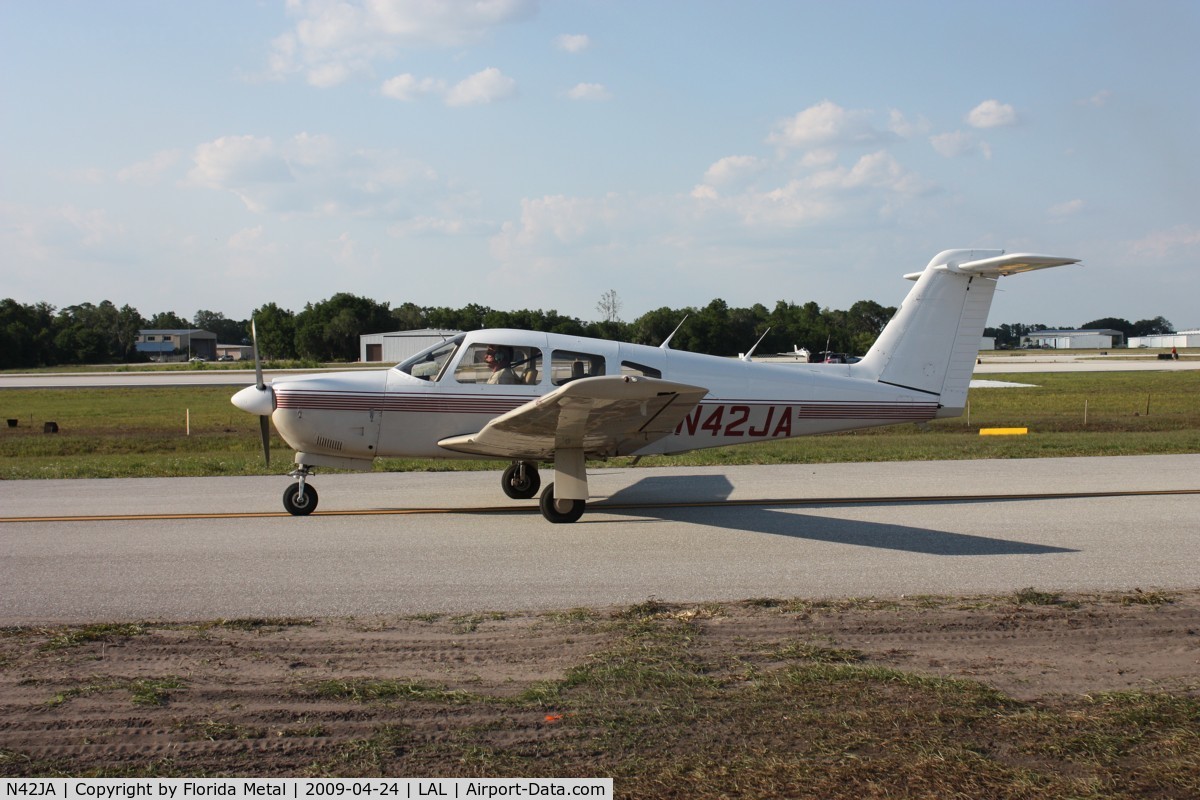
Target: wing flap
[(604, 416)]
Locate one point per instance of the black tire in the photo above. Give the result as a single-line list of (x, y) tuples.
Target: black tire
[(519, 489), (551, 511), (295, 505)]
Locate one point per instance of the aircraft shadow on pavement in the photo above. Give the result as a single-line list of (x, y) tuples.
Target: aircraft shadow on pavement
[(763, 518)]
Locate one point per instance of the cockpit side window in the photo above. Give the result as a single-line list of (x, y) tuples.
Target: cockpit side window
[(430, 362), (500, 364), (567, 366)]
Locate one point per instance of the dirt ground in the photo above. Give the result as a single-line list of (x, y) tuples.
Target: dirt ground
[(294, 697)]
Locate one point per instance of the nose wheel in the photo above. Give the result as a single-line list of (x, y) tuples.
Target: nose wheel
[(300, 499)]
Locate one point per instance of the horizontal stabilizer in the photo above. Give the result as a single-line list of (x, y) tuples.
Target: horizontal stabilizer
[(1008, 264), (1013, 264)]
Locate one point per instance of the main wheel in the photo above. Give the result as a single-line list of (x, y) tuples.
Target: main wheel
[(518, 486), (560, 510), (295, 504)]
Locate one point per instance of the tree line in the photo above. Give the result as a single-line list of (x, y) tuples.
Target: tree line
[(39, 335)]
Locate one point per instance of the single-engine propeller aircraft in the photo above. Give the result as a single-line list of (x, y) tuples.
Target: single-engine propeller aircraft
[(529, 397)]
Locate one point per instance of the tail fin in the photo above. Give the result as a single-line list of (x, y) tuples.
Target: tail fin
[(930, 346)]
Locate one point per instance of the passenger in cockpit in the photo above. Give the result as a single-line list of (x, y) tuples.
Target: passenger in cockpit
[(499, 359)]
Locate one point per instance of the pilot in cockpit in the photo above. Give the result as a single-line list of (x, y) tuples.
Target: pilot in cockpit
[(499, 360)]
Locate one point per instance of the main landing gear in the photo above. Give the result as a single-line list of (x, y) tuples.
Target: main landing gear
[(300, 499), (560, 510), (521, 481)]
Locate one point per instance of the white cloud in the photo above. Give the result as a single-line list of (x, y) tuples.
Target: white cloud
[(958, 144), (1098, 100), (330, 74), (1173, 242), (880, 170), (93, 228), (905, 128), (249, 240), (334, 39), (589, 91), (311, 174), (821, 157), (827, 124), (149, 171), (1066, 209), (237, 161), (733, 169), (486, 86), (409, 87), (573, 42), (992, 114)]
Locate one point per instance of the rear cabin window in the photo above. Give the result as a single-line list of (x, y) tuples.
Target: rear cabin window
[(567, 366), (639, 370)]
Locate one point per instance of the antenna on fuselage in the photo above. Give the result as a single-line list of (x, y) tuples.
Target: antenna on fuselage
[(667, 342), (756, 344)]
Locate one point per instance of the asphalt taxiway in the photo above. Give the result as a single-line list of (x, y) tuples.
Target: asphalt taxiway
[(451, 543)]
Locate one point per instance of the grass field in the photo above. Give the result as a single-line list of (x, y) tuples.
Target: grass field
[(147, 432)]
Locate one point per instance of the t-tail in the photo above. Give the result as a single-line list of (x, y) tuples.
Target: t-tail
[(931, 344)]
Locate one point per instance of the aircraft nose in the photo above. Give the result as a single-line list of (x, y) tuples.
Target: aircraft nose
[(255, 400)]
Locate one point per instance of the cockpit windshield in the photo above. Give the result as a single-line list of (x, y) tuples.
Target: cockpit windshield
[(429, 363)]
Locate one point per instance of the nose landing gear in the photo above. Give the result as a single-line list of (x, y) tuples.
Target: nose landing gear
[(299, 499)]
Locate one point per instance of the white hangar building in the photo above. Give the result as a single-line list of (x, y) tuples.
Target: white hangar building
[(392, 348), (1177, 340), (1100, 339)]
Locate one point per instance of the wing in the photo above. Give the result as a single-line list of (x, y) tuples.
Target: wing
[(610, 415)]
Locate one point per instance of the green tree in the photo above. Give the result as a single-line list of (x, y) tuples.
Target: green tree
[(468, 318), (330, 330), (708, 329), (167, 321), (97, 334), (865, 321), (1110, 323), (1152, 327), (228, 331), (276, 329), (26, 335), (655, 326), (409, 317), (609, 306)]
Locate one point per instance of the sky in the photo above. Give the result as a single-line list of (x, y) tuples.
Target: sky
[(185, 156)]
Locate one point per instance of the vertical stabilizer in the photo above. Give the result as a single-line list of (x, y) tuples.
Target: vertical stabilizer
[(930, 346)]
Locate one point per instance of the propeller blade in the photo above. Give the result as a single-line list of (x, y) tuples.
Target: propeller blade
[(264, 422), (258, 373), (264, 425)]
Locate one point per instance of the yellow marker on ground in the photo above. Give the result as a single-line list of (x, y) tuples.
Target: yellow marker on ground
[(1003, 431)]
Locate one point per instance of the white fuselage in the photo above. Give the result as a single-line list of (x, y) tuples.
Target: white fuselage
[(360, 415)]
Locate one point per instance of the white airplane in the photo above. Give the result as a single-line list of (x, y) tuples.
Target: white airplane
[(530, 397)]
